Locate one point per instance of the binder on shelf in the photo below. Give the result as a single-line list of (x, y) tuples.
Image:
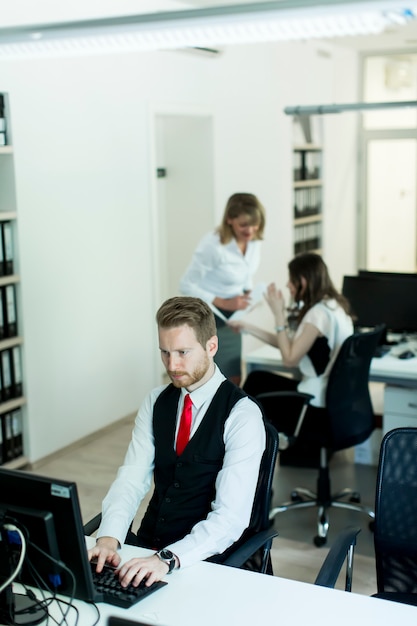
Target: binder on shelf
[(17, 433), (307, 201), (1, 388), (2, 459), (6, 375), (17, 386), (7, 241), (306, 164), (10, 311), (1, 255), (297, 165), (8, 447), (3, 140), (312, 164), (2, 307), (307, 237)]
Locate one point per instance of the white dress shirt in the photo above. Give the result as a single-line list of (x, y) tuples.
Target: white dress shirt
[(220, 270), (244, 438)]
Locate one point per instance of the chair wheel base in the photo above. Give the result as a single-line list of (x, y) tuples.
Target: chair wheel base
[(355, 497), (295, 496), (319, 541)]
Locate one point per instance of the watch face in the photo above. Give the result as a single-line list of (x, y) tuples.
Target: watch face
[(166, 554)]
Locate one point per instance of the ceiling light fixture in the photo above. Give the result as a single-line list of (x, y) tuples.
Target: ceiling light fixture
[(285, 20)]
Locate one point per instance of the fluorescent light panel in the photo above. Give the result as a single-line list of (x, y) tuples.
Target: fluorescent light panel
[(250, 23)]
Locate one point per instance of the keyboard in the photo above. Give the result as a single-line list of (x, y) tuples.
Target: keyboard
[(110, 590)]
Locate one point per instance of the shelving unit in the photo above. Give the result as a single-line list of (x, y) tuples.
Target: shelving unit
[(12, 400), (307, 189)]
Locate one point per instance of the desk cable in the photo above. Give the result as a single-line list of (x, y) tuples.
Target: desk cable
[(13, 528), (44, 602)]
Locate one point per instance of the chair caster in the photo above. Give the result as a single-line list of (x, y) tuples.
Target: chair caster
[(372, 526), (355, 497), (295, 496), (319, 541)]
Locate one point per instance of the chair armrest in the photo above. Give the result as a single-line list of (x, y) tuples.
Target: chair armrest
[(341, 550), (250, 546), (287, 439), (91, 526)]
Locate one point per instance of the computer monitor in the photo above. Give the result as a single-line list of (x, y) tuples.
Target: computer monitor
[(388, 300), (48, 511), (389, 275)]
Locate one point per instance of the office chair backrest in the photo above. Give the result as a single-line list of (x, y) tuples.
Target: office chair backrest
[(252, 550), (262, 501), (348, 403), (395, 535)]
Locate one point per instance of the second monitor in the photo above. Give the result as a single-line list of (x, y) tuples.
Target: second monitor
[(388, 299)]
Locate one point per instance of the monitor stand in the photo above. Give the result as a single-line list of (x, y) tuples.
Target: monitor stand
[(18, 609)]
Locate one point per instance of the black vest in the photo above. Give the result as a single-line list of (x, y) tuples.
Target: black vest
[(185, 485)]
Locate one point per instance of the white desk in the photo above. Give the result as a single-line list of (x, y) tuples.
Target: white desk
[(398, 375), (214, 595)]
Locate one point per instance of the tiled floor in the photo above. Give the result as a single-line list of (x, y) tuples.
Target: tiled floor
[(93, 464)]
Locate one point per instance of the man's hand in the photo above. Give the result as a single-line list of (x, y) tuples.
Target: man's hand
[(150, 568), (105, 551)]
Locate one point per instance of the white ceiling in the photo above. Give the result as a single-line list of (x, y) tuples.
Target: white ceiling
[(28, 12)]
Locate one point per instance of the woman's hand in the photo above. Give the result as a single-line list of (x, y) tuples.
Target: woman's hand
[(276, 303), (237, 325), (238, 303)]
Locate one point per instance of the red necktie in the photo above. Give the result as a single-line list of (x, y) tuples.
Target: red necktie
[(185, 424)]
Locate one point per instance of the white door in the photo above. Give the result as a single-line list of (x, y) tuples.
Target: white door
[(185, 192)]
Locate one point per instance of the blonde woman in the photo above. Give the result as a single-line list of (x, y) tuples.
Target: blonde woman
[(222, 269)]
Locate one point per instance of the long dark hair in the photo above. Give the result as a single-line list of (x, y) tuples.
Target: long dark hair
[(319, 286)]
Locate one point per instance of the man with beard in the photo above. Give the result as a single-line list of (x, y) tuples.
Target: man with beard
[(204, 484)]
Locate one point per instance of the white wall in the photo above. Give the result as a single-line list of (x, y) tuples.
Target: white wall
[(84, 159)]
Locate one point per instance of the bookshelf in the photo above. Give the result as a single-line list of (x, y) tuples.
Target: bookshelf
[(12, 400), (307, 188)]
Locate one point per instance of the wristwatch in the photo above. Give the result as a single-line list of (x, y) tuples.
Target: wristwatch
[(167, 557)]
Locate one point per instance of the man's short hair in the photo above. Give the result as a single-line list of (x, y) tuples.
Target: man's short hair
[(193, 312)]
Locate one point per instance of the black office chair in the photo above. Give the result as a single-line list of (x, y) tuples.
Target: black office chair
[(347, 420), (395, 533), (342, 550), (395, 536), (265, 386), (252, 550), (287, 407)]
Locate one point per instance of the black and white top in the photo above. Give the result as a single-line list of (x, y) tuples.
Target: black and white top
[(335, 325)]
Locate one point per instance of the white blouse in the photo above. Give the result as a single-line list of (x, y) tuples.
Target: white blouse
[(220, 270)]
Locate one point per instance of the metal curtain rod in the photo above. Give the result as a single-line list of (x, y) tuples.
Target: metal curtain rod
[(322, 109)]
